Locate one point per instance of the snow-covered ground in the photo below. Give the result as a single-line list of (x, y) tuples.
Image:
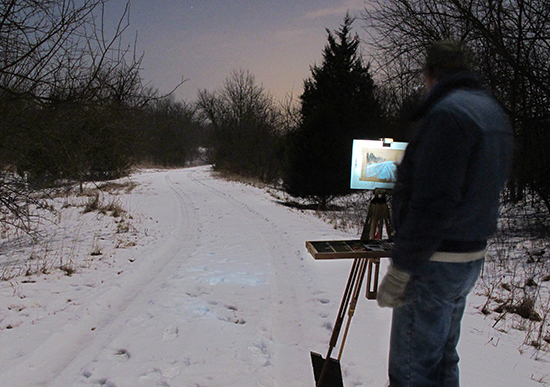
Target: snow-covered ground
[(208, 284)]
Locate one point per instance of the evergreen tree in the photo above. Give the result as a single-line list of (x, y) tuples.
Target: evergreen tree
[(338, 105)]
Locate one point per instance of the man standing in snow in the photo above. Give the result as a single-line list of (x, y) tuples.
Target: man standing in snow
[(445, 206)]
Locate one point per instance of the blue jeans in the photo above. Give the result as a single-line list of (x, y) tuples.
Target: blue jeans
[(425, 331)]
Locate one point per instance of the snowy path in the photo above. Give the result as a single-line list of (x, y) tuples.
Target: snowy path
[(217, 300), (223, 293)]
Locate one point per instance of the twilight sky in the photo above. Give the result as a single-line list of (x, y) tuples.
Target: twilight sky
[(204, 40)]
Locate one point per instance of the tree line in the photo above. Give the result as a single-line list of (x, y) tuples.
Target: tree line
[(509, 42), (74, 106), (346, 97)]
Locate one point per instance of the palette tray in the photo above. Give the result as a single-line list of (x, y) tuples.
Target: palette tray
[(349, 249)]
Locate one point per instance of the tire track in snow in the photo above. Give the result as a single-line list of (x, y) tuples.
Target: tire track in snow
[(64, 353), (291, 289), (238, 353), (209, 304)]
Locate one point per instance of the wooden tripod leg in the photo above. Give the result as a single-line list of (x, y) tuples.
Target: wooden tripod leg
[(353, 304), (378, 216), (340, 318)]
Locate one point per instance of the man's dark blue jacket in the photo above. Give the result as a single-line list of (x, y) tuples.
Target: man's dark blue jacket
[(447, 193)]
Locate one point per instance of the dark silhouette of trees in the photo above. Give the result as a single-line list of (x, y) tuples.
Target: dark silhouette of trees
[(510, 48), (170, 134), (66, 90), (338, 104), (244, 121), (68, 94)]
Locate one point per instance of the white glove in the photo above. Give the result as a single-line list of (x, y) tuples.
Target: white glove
[(391, 292)]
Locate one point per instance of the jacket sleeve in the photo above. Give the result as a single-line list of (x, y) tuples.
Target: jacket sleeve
[(438, 176)]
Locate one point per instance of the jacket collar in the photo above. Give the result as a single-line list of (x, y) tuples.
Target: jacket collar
[(462, 80)]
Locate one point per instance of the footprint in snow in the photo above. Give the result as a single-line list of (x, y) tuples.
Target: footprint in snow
[(153, 375), (140, 319), (323, 301), (121, 355), (231, 316), (328, 326), (170, 333), (104, 383), (262, 352), (197, 291)]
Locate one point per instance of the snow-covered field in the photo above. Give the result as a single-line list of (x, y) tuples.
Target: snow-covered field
[(207, 283)]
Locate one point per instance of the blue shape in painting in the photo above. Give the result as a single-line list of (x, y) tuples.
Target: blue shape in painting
[(384, 171)]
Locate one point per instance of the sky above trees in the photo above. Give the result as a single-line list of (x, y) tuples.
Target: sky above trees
[(202, 41)]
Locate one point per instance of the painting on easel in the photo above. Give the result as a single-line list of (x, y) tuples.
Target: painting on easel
[(374, 163)]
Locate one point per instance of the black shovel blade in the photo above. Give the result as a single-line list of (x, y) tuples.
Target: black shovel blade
[(333, 374)]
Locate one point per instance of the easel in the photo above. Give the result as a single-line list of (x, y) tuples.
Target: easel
[(378, 216)]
